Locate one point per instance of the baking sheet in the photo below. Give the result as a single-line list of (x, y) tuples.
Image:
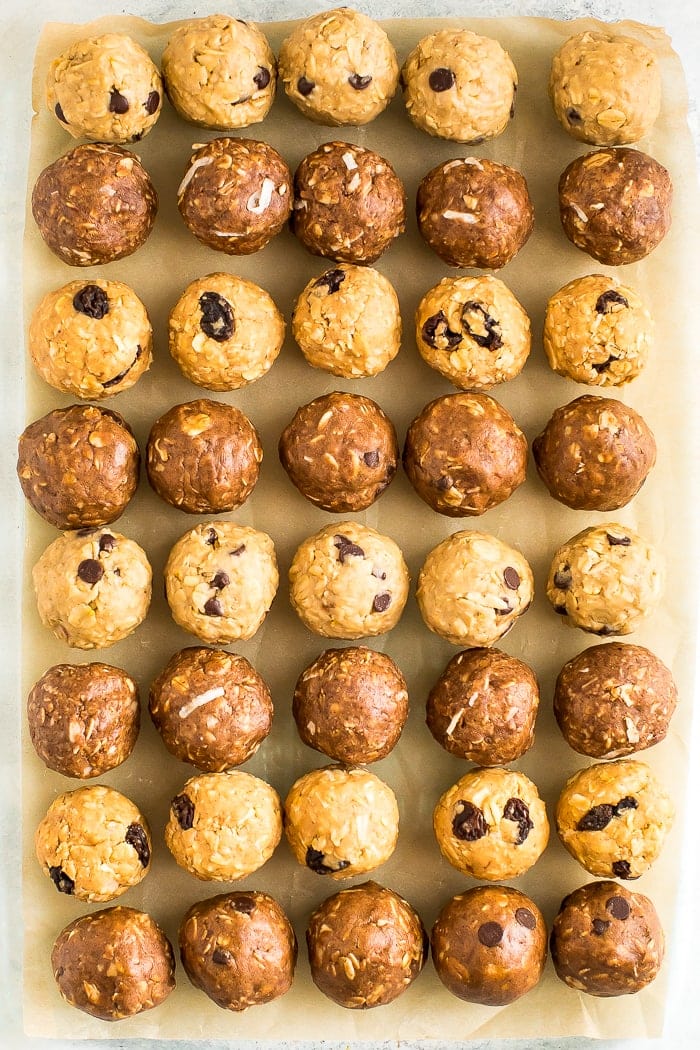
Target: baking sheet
[(418, 770)]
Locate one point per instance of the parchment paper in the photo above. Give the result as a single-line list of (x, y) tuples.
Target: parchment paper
[(418, 770)]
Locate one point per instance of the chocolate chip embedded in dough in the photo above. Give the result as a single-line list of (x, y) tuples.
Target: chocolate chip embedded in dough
[(59, 113), (563, 579), (118, 103), (261, 78), (444, 483), (240, 902), (469, 824), (221, 580), (90, 571), (618, 908), (600, 926), (305, 87), (359, 83), (490, 934), (628, 802), (371, 458), (217, 320), (107, 543), (136, 837), (182, 807), (442, 79), (213, 607), (525, 918), (573, 116), (622, 869), (618, 541), (63, 883), (511, 578), (91, 301), (238, 551), (212, 539), (151, 104), (222, 957), (346, 548), (381, 602)]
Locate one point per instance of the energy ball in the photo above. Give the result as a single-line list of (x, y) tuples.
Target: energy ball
[(83, 718), (459, 86), (473, 587), (615, 204), (93, 587), (224, 332), (483, 707), (239, 949), (349, 203), (474, 212), (605, 580), (211, 708), (220, 72), (613, 700), (347, 322), (339, 67), (348, 581), (473, 331), (235, 195), (489, 945), (464, 453), (341, 821), (95, 204), (613, 818), (105, 88), (220, 581), (114, 963), (492, 824), (93, 844), (366, 945), (351, 704), (605, 89), (597, 331), (91, 340), (224, 826), (78, 466)]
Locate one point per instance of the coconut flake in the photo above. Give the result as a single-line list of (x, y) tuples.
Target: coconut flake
[(349, 161), (258, 204), (475, 161), (453, 723), (461, 216), (199, 701), (201, 162), (579, 211)]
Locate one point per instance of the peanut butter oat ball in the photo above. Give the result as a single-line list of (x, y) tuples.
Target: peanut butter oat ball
[(78, 466), (366, 945), (235, 195), (114, 963), (239, 949), (93, 844), (105, 88), (351, 704), (474, 212), (615, 204), (211, 708), (339, 67), (94, 204), (91, 339), (224, 826), (93, 587), (349, 203), (83, 718), (220, 72)]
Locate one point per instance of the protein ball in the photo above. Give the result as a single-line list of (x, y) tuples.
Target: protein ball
[(348, 581), (613, 818), (483, 707), (473, 331), (474, 212), (615, 204), (339, 67), (211, 708), (94, 204), (78, 466), (113, 964), (351, 704), (613, 700), (91, 340), (473, 587), (224, 826), (93, 844), (83, 719), (492, 824), (93, 587), (341, 821), (464, 453), (105, 88), (235, 215), (366, 945), (489, 945), (349, 203), (459, 86), (605, 579), (220, 72), (224, 332), (239, 949), (605, 89)]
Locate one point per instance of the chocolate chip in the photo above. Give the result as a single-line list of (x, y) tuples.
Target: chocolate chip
[(238, 551), (517, 810), (316, 860), (212, 539), (477, 314), (90, 571), (107, 542), (628, 802), (378, 573), (358, 82), (217, 316), (437, 329), (381, 602), (525, 917), (597, 818), (183, 811), (63, 883), (371, 458), (622, 869), (331, 279), (504, 609), (117, 102), (563, 579), (222, 957), (490, 934), (561, 609), (242, 903), (221, 580), (261, 78), (59, 113), (304, 86), (511, 578), (573, 116), (618, 541), (118, 378), (618, 908), (136, 837), (441, 79), (346, 548), (137, 137), (152, 102), (92, 302), (444, 483), (603, 366), (469, 824), (606, 301), (213, 607), (600, 926)]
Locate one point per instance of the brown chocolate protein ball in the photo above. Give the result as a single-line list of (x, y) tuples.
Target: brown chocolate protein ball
[(239, 949), (615, 204), (235, 195), (474, 212), (94, 204), (203, 457), (489, 945), (211, 708), (464, 453), (349, 203)]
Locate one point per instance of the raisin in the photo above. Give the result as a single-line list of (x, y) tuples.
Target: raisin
[(221, 580), (628, 802), (469, 824), (217, 320), (346, 548), (262, 78), (371, 458), (597, 818), (517, 810), (136, 837), (242, 902), (238, 551), (490, 934), (437, 331), (90, 571), (107, 542), (91, 301), (152, 102), (315, 860), (222, 957), (331, 279), (606, 301), (618, 541), (118, 378), (304, 86), (622, 869), (117, 102), (563, 579), (63, 883), (491, 336), (359, 83), (213, 607), (183, 811), (573, 116), (441, 79), (212, 539)]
